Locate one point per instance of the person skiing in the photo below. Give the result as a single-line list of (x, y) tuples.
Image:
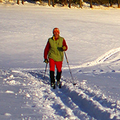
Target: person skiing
[(53, 54)]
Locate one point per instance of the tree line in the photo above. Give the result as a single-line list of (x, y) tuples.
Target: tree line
[(108, 3)]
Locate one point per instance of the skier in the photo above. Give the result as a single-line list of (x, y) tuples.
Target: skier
[(53, 54)]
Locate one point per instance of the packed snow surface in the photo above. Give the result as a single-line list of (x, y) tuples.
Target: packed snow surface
[(92, 36)]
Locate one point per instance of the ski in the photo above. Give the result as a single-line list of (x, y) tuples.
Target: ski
[(53, 85), (58, 84)]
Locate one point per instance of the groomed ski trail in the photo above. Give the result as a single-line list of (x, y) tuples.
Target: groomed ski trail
[(76, 102), (68, 103), (60, 105), (111, 56)]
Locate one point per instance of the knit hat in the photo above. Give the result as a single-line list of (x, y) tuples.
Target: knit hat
[(56, 30)]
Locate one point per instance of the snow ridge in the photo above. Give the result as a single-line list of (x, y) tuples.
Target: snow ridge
[(106, 58)]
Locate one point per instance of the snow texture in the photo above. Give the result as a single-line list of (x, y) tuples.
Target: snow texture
[(93, 52)]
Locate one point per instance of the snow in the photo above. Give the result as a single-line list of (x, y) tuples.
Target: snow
[(92, 36)]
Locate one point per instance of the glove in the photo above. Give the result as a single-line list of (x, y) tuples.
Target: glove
[(64, 48), (46, 61)]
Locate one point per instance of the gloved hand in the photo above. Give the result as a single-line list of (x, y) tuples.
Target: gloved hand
[(64, 48), (46, 61)]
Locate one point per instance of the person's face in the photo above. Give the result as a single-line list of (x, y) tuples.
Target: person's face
[(56, 33)]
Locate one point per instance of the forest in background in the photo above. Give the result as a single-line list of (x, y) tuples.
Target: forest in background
[(69, 3)]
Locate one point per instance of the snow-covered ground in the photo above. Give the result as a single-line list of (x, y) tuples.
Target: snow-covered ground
[(94, 57)]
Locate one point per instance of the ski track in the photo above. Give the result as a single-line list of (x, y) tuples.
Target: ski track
[(68, 103), (81, 102), (106, 58)]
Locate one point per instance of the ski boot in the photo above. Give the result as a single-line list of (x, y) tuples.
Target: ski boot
[(58, 79), (52, 79)]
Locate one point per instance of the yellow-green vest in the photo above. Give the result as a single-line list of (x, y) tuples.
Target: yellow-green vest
[(56, 52)]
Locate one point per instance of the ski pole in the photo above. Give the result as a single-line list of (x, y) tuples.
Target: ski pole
[(69, 68), (45, 70)]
